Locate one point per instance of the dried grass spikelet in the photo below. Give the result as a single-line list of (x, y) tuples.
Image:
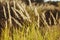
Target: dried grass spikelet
[(20, 12), (4, 12), (16, 21), (8, 6), (44, 19), (56, 15), (5, 16), (37, 14), (20, 7), (27, 14), (30, 4), (53, 18), (15, 12), (49, 21)]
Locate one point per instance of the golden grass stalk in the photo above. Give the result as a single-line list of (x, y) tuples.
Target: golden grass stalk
[(27, 14), (4, 12), (20, 7), (5, 16), (56, 15), (14, 4), (37, 14), (16, 22), (44, 19), (15, 13), (20, 12), (10, 21), (30, 4), (53, 18), (49, 21)]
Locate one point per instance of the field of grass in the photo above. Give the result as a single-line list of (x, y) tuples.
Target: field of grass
[(31, 29)]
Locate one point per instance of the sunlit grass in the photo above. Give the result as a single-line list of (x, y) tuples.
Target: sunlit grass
[(31, 30)]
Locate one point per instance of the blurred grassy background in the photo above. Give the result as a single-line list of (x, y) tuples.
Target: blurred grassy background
[(31, 29)]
